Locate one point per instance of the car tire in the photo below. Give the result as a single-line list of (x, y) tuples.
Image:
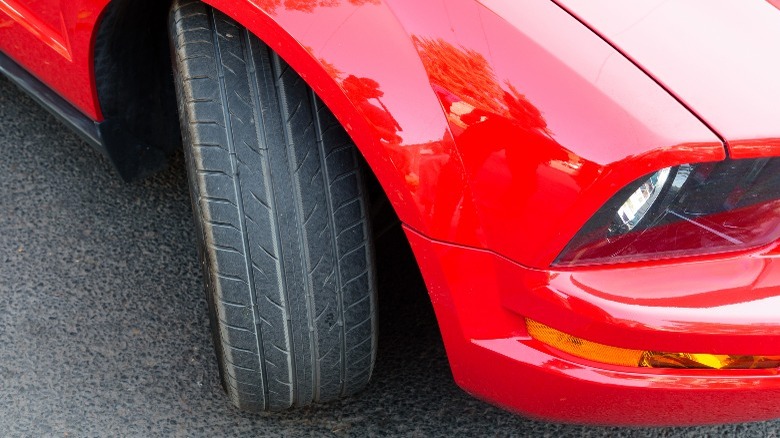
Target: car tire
[(281, 212)]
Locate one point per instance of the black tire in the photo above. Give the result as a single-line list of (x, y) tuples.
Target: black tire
[(281, 211)]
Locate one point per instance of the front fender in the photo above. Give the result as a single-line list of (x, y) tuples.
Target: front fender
[(491, 124)]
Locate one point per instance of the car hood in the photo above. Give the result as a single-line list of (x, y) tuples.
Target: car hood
[(721, 58)]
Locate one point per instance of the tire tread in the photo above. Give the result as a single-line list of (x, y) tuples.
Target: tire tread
[(282, 218)]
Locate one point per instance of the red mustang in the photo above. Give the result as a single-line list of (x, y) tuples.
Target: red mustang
[(591, 188)]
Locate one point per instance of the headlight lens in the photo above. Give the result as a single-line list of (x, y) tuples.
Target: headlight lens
[(637, 205), (684, 210)]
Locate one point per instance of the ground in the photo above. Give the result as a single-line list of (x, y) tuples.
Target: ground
[(103, 326)]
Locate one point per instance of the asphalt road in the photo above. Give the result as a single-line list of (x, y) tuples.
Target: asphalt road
[(103, 326)]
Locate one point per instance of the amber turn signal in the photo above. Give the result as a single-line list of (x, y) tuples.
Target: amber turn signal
[(641, 358)]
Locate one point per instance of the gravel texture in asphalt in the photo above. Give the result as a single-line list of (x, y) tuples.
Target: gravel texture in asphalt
[(103, 325)]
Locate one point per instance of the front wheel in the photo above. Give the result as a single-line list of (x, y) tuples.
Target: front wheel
[(281, 211)]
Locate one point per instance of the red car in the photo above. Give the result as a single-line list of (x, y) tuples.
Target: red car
[(591, 188)]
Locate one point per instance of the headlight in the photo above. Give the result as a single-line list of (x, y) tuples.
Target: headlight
[(684, 210)]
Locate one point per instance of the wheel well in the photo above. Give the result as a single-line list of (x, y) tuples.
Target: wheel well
[(135, 86), (134, 82)]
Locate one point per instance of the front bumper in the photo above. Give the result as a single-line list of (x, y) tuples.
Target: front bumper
[(721, 306)]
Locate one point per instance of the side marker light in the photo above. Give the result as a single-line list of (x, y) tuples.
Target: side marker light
[(640, 358)]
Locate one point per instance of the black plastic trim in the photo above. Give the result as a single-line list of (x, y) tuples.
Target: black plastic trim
[(68, 114)]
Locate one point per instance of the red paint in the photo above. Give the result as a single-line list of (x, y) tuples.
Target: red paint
[(501, 127), (38, 27), (53, 40)]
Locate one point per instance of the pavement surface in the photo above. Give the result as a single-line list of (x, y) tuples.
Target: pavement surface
[(103, 325)]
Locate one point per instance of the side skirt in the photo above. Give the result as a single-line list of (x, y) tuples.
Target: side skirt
[(132, 158)]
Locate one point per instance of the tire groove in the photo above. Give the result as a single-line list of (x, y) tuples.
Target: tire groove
[(277, 65), (337, 268), (236, 184), (260, 134)]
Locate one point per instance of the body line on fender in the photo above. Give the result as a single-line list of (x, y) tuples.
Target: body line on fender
[(663, 86)]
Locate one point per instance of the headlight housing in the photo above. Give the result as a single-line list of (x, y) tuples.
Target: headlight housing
[(685, 210)]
